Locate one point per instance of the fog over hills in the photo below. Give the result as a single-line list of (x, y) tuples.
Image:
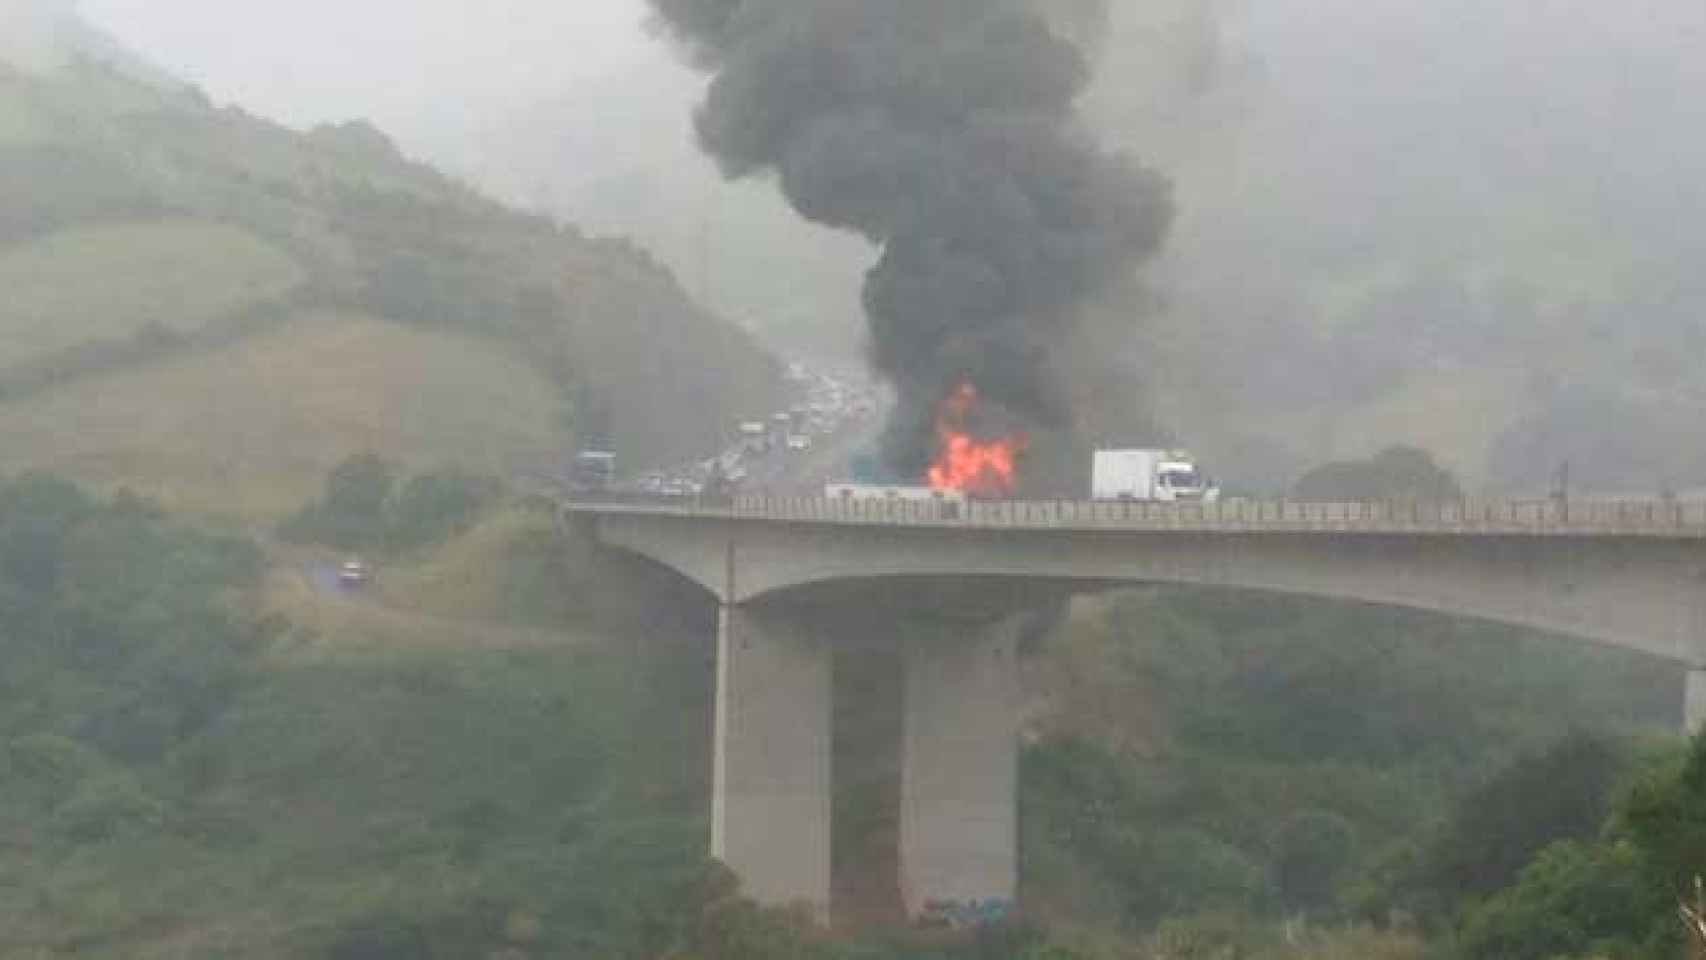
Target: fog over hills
[(44, 34), (1452, 224), (1400, 221)]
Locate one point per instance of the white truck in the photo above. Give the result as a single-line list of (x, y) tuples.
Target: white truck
[(1149, 474)]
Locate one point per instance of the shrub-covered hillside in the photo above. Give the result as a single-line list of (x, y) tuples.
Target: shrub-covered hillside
[(152, 244)]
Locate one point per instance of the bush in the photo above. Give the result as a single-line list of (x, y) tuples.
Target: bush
[(43, 770), (1575, 899), (1664, 814), (103, 807), (350, 514), (1396, 473), (432, 507), (1311, 852), (362, 507), (1563, 792)]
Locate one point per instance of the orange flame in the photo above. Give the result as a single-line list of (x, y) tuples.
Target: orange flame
[(969, 463)]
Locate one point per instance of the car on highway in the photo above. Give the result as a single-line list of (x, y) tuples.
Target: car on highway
[(354, 572), (798, 442)]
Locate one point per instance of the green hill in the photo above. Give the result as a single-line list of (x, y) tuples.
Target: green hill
[(250, 429), (215, 309), (177, 274)]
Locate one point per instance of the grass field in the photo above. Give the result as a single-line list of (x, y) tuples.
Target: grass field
[(465, 578), (107, 282), (249, 431), (367, 619)]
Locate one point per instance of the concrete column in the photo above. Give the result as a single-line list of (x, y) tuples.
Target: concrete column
[(1694, 702), (959, 772), (770, 799)]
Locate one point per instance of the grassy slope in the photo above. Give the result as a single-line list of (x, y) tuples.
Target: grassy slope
[(217, 216), (251, 429), (178, 273)]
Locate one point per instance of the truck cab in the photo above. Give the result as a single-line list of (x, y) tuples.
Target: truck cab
[(1181, 481)]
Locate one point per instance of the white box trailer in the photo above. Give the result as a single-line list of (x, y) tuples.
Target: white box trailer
[(1124, 474), (1149, 474)]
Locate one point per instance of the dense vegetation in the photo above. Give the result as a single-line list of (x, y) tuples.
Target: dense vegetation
[(184, 778), (1273, 758), (365, 505), (179, 781)]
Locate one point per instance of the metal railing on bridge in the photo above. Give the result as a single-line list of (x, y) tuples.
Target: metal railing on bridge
[(1672, 518)]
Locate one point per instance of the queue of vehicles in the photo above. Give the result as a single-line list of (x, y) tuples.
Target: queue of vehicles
[(825, 405)]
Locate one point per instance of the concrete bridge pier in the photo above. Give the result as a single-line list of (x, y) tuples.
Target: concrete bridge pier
[(959, 769), (770, 801), (1694, 702)]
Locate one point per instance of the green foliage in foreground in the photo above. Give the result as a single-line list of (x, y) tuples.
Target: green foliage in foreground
[(174, 778), (1339, 763), (364, 507), (177, 782), (1615, 894)]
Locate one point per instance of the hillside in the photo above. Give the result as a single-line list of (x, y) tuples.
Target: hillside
[(245, 429), (215, 309)]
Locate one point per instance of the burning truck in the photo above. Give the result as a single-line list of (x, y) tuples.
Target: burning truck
[(976, 458), (971, 461), (947, 134)]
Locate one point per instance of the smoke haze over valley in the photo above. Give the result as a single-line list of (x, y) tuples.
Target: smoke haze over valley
[(1398, 221), (1417, 204)]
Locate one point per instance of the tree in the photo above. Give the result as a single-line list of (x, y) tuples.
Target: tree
[(1665, 815), (351, 512), (1563, 792), (37, 516), (1311, 851), (433, 506), (1575, 899), (1396, 473)]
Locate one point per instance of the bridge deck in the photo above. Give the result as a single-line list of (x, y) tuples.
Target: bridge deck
[(1645, 518)]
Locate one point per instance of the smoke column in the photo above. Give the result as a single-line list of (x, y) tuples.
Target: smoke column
[(946, 132)]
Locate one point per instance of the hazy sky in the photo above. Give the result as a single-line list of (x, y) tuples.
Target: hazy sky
[(312, 60)]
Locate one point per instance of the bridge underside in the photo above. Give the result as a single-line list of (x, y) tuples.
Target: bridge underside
[(1642, 593), (792, 595)]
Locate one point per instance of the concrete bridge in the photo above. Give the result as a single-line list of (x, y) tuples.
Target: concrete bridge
[(797, 578)]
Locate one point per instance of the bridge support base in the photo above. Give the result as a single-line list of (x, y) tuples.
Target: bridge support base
[(1694, 702), (770, 804), (959, 773)]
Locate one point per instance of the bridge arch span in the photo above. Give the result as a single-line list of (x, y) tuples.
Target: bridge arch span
[(1640, 593), (1634, 581)]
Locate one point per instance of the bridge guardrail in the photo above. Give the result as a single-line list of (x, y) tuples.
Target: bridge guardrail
[(1649, 517)]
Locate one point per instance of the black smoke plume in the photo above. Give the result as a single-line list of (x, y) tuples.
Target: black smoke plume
[(946, 132)]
